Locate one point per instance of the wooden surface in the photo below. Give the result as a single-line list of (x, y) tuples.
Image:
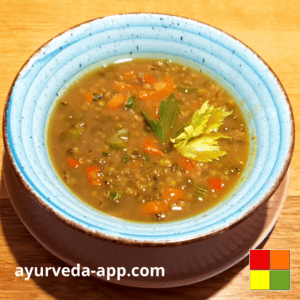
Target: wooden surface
[(270, 27)]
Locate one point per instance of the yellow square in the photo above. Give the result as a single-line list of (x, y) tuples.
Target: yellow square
[(259, 280)]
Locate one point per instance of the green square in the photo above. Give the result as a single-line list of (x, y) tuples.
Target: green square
[(280, 280)]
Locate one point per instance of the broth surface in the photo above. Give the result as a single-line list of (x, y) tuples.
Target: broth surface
[(106, 151)]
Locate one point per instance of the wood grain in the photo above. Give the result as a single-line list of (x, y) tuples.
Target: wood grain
[(270, 27)]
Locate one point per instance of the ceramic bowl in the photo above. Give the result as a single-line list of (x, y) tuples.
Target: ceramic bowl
[(54, 66)]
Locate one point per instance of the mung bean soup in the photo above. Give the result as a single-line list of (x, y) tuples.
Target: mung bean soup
[(148, 140)]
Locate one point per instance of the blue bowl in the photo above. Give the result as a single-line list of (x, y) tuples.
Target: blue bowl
[(53, 67)]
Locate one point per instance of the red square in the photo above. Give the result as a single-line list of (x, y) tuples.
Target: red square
[(259, 259)]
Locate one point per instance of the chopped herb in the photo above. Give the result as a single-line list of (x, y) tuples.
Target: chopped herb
[(125, 159), (198, 139), (145, 158), (200, 191), (116, 195), (117, 141), (77, 131), (123, 134), (167, 113), (105, 154), (185, 90), (130, 103), (96, 97)]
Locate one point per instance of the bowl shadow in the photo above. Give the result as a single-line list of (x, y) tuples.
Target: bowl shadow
[(30, 253)]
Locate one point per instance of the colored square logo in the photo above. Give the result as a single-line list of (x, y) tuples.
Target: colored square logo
[(270, 270), (259, 280), (280, 260), (280, 280), (259, 259)]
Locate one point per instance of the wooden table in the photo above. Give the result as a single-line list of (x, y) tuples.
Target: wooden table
[(270, 27)]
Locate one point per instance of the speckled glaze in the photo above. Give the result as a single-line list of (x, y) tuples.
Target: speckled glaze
[(59, 62)]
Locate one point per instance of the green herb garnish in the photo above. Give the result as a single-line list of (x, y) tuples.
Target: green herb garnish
[(125, 159), (198, 139), (200, 191), (130, 102), (145, 158), (96, 97), (116, 195), (117, 141), (105, 154), (167, 113), (77, 131)]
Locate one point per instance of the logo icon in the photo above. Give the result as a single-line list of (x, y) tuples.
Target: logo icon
[(270, 270)]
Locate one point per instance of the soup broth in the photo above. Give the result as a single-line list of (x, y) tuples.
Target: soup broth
[(148, 140)]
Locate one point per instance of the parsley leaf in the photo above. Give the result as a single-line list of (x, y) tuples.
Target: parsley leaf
[(167, 113), (198, 139), (130, 103)]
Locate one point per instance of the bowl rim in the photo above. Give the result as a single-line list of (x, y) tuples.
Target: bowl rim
[(127, 241)]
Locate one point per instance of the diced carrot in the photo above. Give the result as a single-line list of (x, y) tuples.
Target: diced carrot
[(124, 87), (88, 97), (129, 75), (169, 88), (94, 176), (154, 207), (173, 194), (151, 147), (146, 95), (170, 81), (148, 78), (162, 90), (160, 85), (187, 164), (116, 101), (73, 163), (216, 184)]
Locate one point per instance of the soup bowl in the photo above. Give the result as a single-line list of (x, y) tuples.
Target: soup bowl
[(65, 58)]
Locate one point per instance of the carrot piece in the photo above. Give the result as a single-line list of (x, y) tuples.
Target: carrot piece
[(162, 90), (173, 194), (94, 176), (154, 207), (167, 90), (187, 164), (151, 147), (216, 183), (160, 85), (73, 163), (116, 101), (129, 75), (88, 97), (148, 78), (124, 87), (146, 95)]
